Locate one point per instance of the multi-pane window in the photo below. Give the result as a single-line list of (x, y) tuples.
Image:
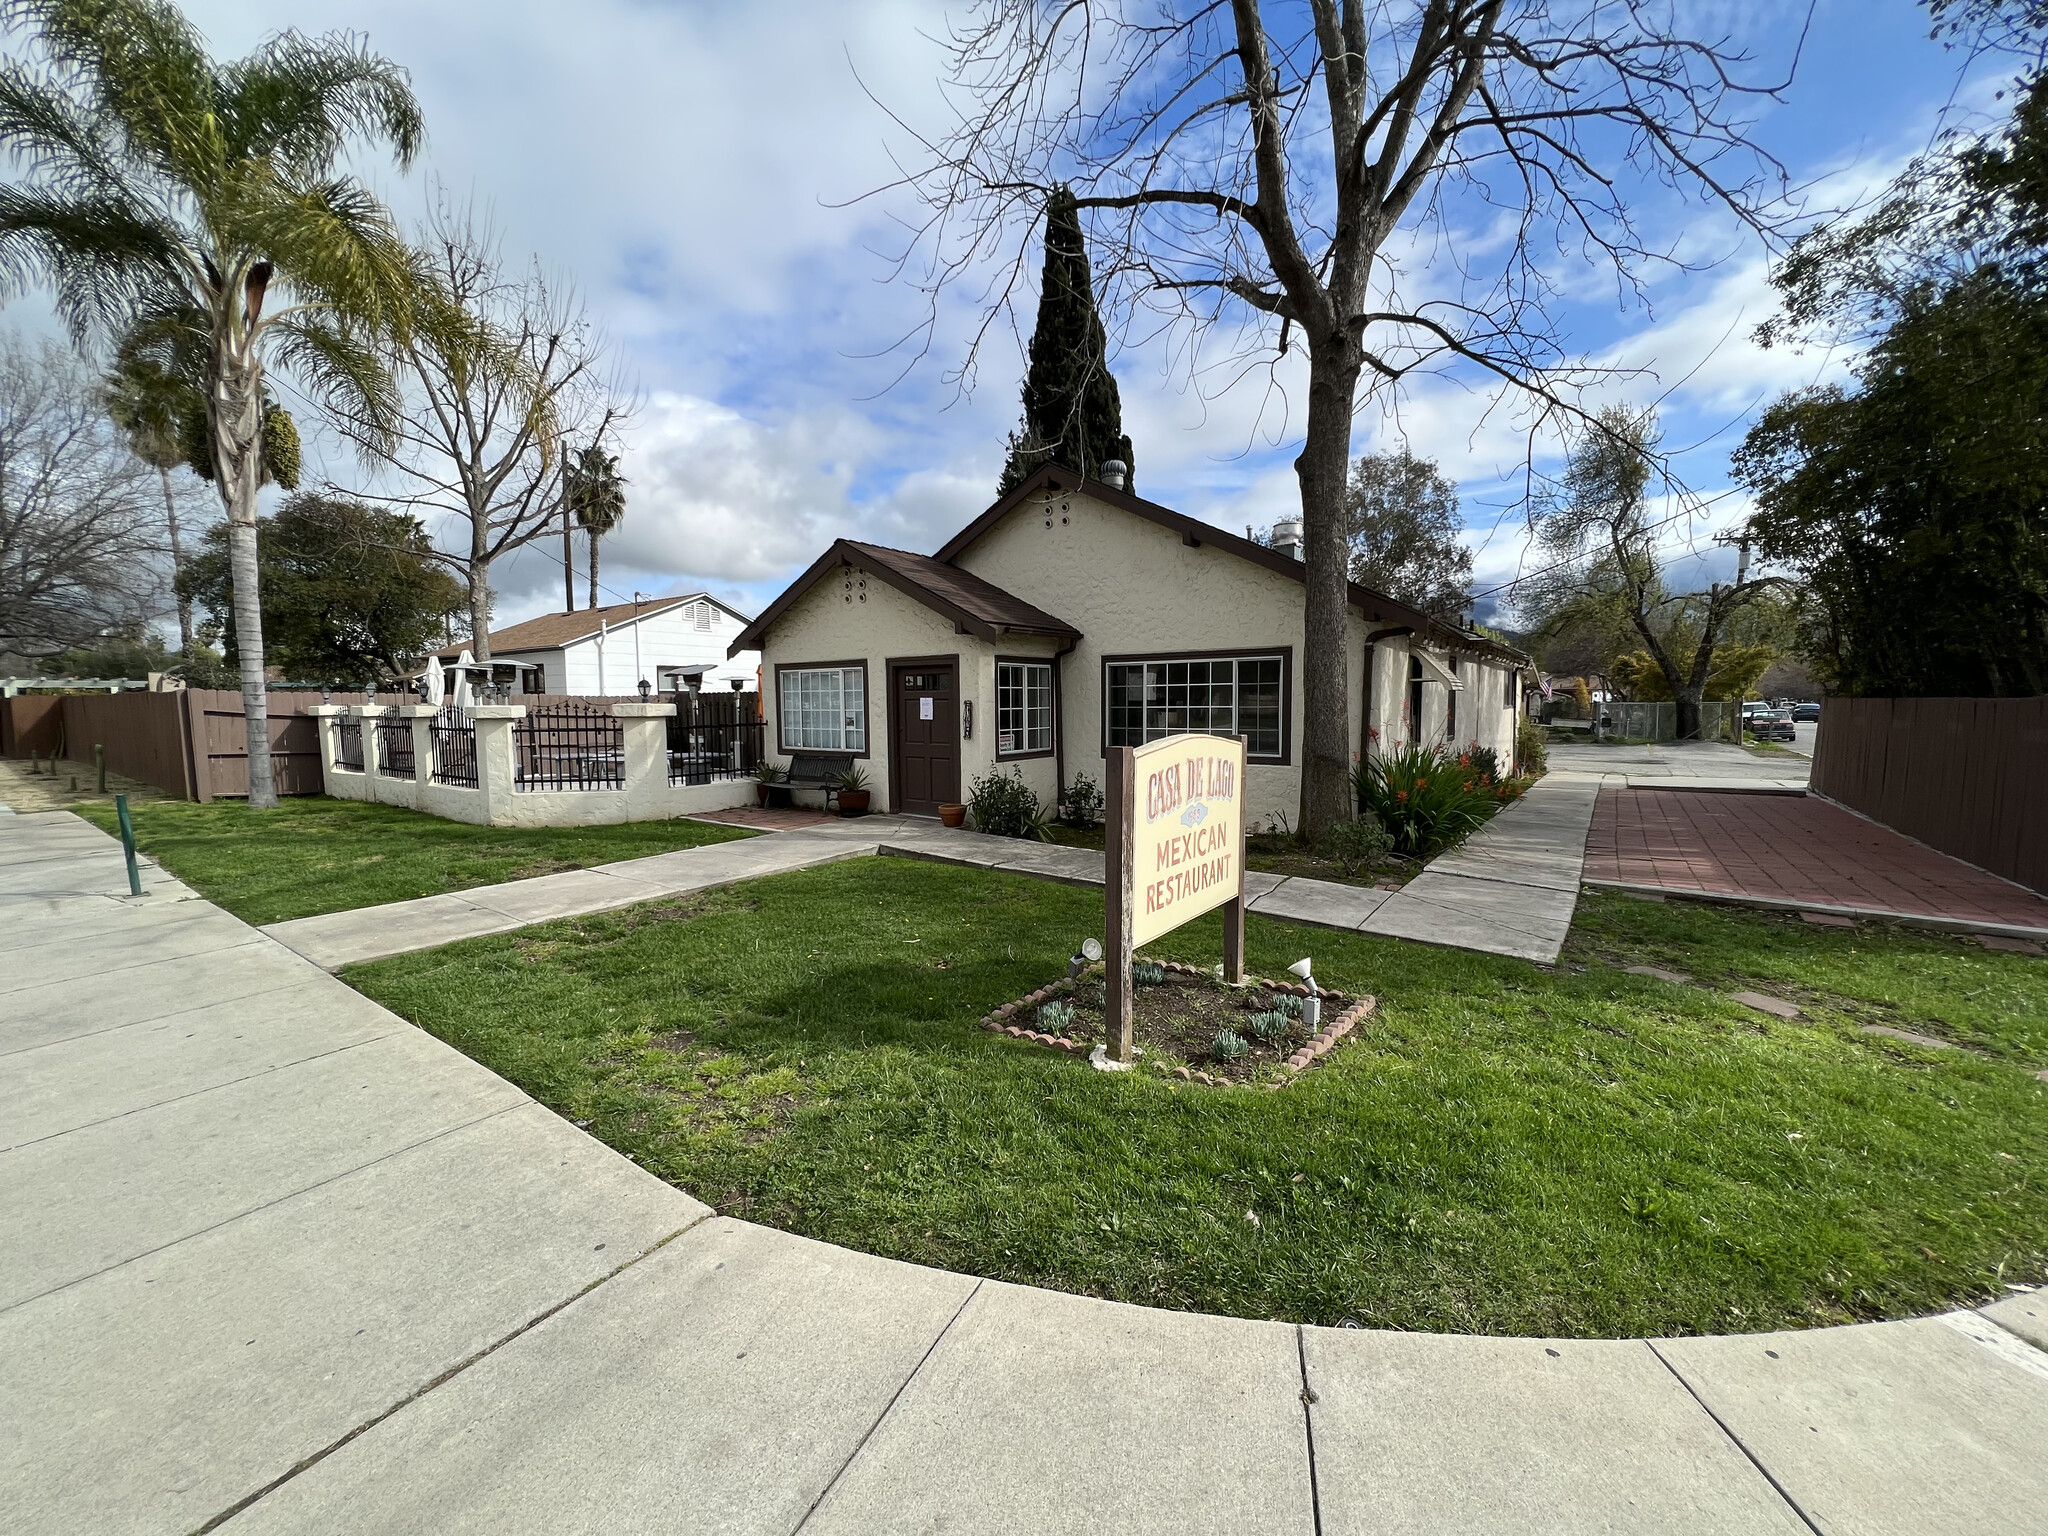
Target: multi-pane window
[(824, 709), (1224, 695), (1023, 708)]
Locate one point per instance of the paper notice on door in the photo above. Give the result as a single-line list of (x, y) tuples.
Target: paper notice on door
[(924, 708)]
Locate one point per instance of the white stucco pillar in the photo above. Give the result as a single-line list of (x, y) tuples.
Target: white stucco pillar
[(327, 721), (421, 717), (645, 729), (494, 723), (369, 714)]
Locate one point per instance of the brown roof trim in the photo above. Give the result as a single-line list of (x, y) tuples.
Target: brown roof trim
[(553, 631), (1000, 613), (1377, 607)]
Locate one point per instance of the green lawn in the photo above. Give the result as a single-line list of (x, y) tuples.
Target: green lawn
[(1506, 1148), (313, 854)]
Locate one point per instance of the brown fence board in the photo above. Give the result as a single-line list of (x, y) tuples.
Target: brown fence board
[(31, 723), (1967, 776)]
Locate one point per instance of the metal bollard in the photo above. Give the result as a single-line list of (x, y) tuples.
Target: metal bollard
[(99, 762), (128, 844)]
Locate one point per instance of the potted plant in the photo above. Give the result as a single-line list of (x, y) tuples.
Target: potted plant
[(769, 788), (853, 791), (953, 815)]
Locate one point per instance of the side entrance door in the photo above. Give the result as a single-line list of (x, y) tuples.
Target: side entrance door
[(924, 735)]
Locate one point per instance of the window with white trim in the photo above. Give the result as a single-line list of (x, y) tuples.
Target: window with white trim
[(1221, 695), (1024, 723), (824, 709)]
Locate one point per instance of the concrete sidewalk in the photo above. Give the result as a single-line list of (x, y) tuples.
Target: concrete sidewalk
[(1705, 765), (1510, 890), (272, 1260)]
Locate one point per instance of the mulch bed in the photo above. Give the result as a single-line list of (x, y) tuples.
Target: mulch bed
[(1175, 1024)]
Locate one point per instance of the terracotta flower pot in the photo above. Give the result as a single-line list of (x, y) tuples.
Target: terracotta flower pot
[(854, 802), (953, 815), (761, 794)]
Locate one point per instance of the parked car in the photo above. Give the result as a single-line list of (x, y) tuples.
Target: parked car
[(1773, 725), (1806, 712)]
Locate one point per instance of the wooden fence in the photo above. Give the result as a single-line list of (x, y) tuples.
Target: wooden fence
[(192, 743), (1967, 776)]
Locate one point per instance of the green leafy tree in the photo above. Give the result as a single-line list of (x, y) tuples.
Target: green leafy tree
[(1914, 504), (1072, 413), (596, 494), (170, 190), (350, 592), (1403, 518)]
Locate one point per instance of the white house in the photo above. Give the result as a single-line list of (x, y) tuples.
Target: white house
[(1073, 616), (665, 640)]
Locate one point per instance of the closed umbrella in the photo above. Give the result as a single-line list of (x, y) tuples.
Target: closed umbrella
[(462, 665), (436, 685)]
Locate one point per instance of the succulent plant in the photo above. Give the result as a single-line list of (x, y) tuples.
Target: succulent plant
[(1148, 973), (1056, 1017), (1269, 1026), (1229, 1046)]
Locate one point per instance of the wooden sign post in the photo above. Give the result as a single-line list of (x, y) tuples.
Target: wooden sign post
[(1175, 849)]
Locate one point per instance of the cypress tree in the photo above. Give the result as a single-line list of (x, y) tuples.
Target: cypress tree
[(1072, 414)]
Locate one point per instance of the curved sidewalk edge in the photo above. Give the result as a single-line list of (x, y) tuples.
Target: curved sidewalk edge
[(275, 1260)]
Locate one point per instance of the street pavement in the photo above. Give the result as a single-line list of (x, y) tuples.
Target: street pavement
[(273, 1260)]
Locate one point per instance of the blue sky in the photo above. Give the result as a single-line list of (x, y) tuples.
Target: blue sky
[(688, 165)]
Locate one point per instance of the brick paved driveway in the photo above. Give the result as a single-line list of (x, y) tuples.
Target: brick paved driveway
[(1790, 848)]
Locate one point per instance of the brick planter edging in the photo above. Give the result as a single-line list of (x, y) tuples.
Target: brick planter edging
[(1320, 1045)]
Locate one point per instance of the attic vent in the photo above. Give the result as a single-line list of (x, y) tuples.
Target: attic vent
[(703, 615)]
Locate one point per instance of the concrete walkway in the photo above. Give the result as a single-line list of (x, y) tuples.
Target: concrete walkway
[(272, 1260), (1509, 891), (1684, 765)]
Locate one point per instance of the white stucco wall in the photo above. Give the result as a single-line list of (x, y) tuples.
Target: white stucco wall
[(850, 615), (1133, 588)]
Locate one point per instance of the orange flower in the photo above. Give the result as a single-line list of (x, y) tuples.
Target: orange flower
[(1422, 783), (1401, 795)]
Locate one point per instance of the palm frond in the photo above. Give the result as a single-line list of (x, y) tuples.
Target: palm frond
[(52, 137), (332, 241), (141, 66), (300, 101), (341, 367), (105, 259)]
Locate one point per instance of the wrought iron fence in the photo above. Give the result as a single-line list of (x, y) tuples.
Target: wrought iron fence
[(569, 746), (716, 736), (394, 748), (350, 744), (454, 748)]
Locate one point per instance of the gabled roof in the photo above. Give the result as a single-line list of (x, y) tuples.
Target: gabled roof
[(976, 606), (551, 631), (1378, 608)]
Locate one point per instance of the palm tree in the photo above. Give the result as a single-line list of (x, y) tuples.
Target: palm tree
[(144, 404), (167, 190), (597, 496)]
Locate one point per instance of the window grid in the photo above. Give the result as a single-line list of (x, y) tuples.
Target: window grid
[(1223, 696), (1023, 708), (824, 710)]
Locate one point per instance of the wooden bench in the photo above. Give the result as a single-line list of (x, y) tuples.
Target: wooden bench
[(810, 772)]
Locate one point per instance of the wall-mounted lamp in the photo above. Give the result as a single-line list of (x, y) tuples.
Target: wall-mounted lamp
[(645, 690)]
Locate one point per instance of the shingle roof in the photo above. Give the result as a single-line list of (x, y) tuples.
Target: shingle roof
[(977, 606), (551, 630)]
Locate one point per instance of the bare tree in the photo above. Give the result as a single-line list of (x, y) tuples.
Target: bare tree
[(478, 447), (79, 553), (1255, 159)]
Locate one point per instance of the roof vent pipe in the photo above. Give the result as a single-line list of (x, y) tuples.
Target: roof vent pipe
[(1287, 537), (1113, 473)]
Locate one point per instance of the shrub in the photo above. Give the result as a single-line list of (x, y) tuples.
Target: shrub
[(1229, 1046), (1269, 1026), (1529, 751), (1004, 806), (1355, 846), (1084, 802), (1056, 1017), (1427, 801)]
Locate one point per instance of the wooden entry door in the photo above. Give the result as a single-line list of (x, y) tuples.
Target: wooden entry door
[(924, 735)]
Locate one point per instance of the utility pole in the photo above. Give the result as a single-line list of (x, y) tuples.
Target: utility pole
[(568, 554)]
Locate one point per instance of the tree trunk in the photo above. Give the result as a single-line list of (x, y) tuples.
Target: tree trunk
[(593, 567), (1325, 461), (480, 607), (235, 405), (177, 562), (1688, 698), (568, 563)]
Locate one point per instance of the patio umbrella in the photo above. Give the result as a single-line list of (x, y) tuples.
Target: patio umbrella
[(462, 665), (436, 685)]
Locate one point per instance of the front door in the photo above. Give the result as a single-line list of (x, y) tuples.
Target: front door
[(924, 736)]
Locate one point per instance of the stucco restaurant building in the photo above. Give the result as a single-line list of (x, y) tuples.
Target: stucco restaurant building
[(1072, 616)]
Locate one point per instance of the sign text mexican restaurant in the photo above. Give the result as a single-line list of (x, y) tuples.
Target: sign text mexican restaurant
[(1186, 847), (1176, 850)]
